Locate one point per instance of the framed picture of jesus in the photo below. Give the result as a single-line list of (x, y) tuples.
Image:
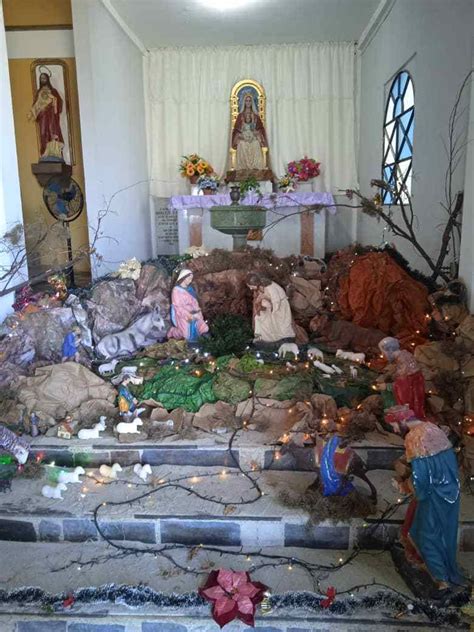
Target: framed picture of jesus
[(50, 110)]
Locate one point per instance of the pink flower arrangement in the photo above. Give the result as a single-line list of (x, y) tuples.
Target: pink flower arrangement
[(304, 169)]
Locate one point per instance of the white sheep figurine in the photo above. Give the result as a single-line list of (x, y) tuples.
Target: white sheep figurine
[(314, 353), (348, 355), (288, 347), (142, 471), (129, 427), (110, 472), (54, 492), (71, 477), (353, 371), (324, 367), (108, 367), (93, 433)]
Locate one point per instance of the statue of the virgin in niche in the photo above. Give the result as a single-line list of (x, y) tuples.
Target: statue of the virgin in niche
[(248, 135)]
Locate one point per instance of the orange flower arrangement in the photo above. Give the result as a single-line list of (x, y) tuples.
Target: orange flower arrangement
[(194, 165)]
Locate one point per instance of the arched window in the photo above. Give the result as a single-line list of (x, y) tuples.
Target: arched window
[(398, 136)]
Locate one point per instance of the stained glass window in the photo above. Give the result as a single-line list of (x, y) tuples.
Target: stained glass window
[(398, 137)]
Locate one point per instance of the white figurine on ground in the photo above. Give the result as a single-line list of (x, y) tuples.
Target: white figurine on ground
[(71, 477), (324, 367), (54, 492), (142, 471), (110, 472), (108, 367), (314, 353), (93, 433), (129, 427), (288, 347), (348, 355)]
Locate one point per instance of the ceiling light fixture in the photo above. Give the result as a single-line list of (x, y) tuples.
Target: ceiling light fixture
[(226, 5)]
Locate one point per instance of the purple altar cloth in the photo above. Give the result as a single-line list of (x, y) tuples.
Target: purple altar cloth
[(268, 200)]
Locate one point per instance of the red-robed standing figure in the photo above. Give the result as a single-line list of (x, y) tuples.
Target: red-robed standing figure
[(46, 111)]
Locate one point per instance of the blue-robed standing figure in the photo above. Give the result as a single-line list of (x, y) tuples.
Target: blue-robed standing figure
[(432, 521)]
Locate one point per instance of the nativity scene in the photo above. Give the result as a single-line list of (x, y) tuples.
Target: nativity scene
[(237, 362)]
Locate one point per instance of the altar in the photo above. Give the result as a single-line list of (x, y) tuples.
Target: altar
[(296, 222)]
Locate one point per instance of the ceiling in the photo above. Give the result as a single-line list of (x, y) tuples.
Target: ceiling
[(160, 23)]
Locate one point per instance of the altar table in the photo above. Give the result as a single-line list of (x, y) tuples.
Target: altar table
[(289, 229)]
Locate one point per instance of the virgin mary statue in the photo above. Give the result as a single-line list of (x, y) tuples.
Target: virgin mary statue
[(248, 136)]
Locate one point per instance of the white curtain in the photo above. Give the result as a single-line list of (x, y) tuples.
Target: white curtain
[(310, 108)]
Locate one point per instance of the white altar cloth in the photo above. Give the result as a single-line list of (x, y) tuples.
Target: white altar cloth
[(288, 230), (268, 200)]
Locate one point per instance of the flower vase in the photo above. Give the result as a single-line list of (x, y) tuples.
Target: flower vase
[(304, 186), (208, 191)]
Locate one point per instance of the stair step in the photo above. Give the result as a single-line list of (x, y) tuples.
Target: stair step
[(377, 451), (53, 567), (173, 515)]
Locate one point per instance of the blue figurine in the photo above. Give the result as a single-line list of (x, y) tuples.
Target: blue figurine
[(70, 350)]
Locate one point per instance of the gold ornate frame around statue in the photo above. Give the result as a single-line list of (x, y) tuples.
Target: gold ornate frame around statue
[(234, 99), (265, 174)]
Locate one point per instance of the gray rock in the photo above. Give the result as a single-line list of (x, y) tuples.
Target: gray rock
[(154, 290), (10, 374), (47, 329), (16, 345), (113, 305)]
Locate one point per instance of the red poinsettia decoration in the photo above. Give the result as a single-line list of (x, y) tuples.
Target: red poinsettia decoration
[(330, 597), (69, 601), (233, 595)]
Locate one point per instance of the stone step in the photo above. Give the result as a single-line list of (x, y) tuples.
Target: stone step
[(173, 511), (53, 567), (251, 448)]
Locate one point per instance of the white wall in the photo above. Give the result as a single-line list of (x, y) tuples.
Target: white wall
[(433, 39), (466, 268), (111, 102), (10, 200)]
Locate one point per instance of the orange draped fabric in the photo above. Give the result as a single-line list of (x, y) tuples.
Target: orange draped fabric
[(378, 293)]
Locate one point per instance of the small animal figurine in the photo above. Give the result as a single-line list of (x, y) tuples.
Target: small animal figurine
[(110, 472), (314, 353), (54, 492), (288, 347), (70, 348), (130, 427), (92, 433), (353, 371), (146, 330), (71, 477), (109, 367), (324, 367), (349, 355), (142, 471)]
